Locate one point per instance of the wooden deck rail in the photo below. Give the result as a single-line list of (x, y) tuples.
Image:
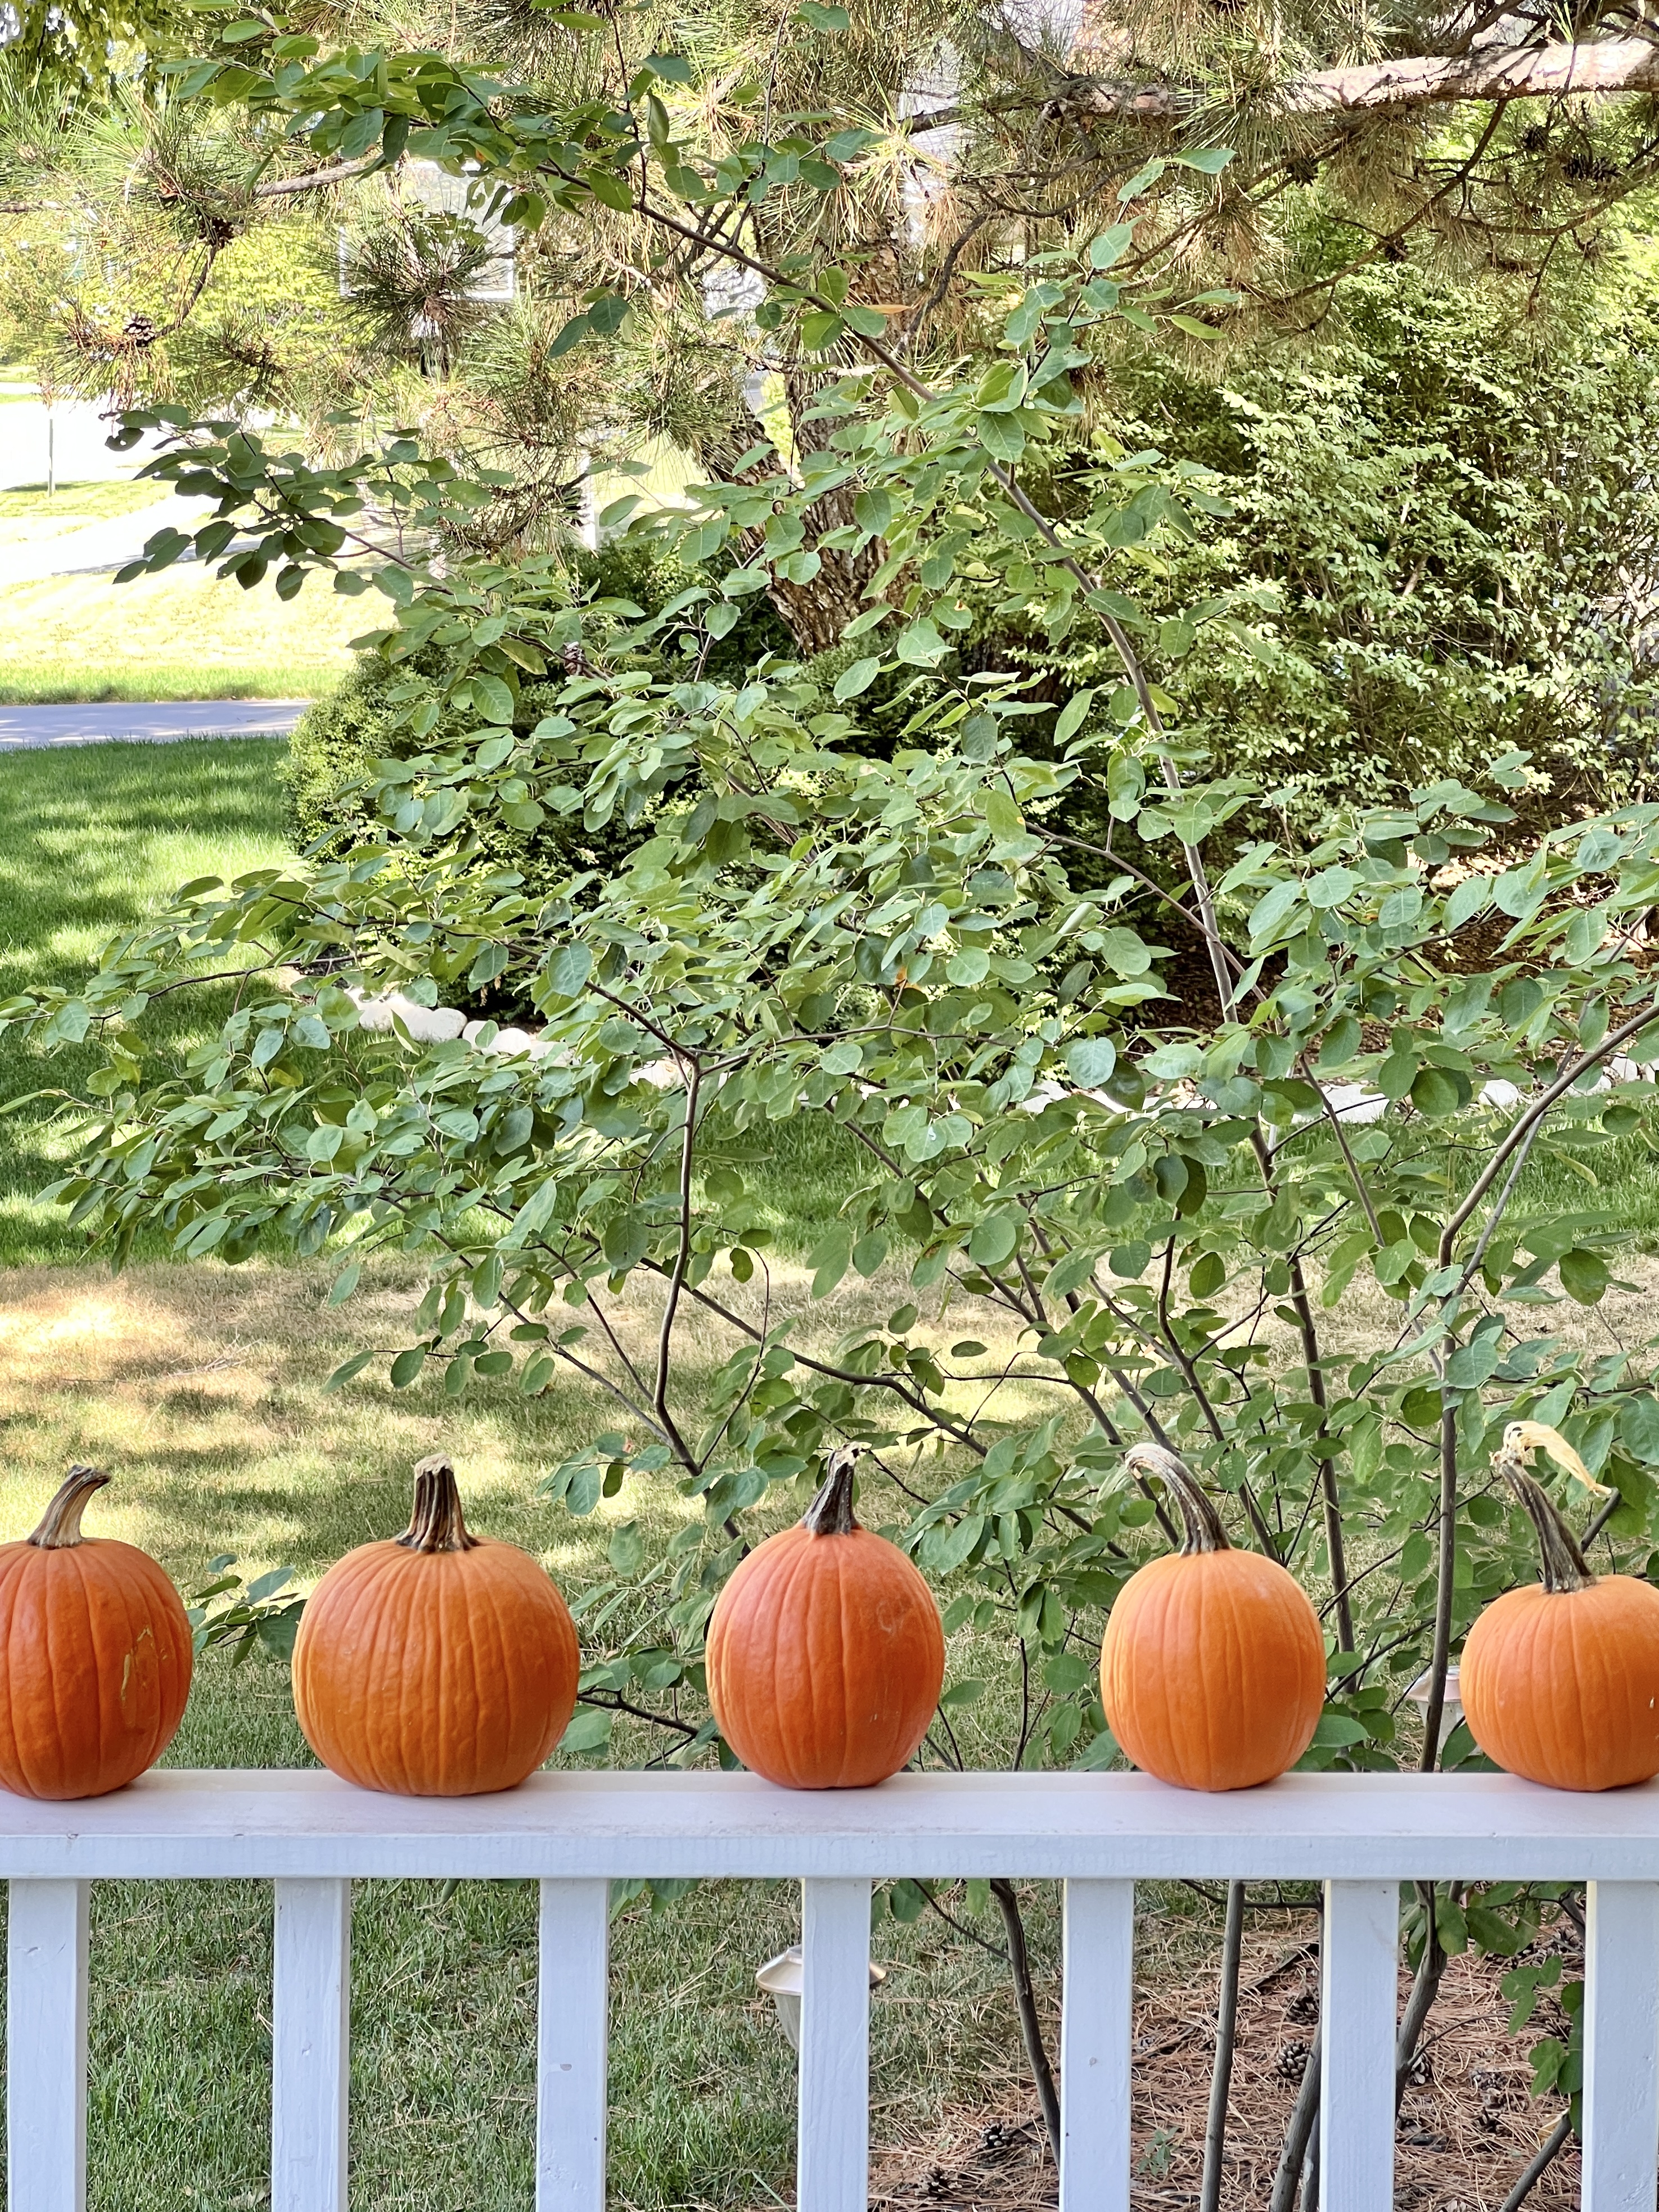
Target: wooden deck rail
[(1361, 1835)]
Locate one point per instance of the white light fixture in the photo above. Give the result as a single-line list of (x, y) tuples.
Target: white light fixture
[(1451, 1712), (781, 1978)]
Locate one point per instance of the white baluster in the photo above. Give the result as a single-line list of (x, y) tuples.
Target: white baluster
[(832, 2154), (572, 2025), (1621, 2047), (311, 2046), (46, 2046), (1095, 2047), (1358, 2014)]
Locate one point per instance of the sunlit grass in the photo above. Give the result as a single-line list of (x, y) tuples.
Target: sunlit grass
[(64, 635)]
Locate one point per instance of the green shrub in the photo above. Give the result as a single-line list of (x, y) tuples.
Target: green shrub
[(334, 749)]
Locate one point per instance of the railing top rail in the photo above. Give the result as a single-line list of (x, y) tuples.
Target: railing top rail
[(268, 1823)]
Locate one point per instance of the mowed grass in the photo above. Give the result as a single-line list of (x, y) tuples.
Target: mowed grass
[(183, 634), (93, 842), (90, 501)]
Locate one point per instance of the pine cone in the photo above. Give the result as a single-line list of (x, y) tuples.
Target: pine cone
[(1304, 2007), (140, 329), (1291, 2062)]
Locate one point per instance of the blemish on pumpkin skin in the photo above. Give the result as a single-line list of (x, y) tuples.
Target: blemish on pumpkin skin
[(130, 1660)]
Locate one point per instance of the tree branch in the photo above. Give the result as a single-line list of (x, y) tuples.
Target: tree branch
[(1604, 66), (317, 181)]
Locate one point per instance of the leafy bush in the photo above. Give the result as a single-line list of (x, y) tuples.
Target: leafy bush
[(1447, 520), (328, 773)]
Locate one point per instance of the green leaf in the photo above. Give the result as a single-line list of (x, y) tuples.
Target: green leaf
[(1583, 1276), (348, 1370), (568, 971), (1434, 1093), (1210, 161), (1638, 1427), (994, 1240), (1072, 715), (1090, 1061), (857, 679), (588, 1732), (1002, 817), (818, 17), (1142, 181), (820, 328), (492, 697), (830, 1258), (1471, 1364), (1336, 1731), (626, 1550), (872, 511), (1270, 911), (969, 1692), (407, 1366), (1108, 246)]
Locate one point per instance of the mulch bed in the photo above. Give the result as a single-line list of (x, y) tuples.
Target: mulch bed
[(1468, 2125)]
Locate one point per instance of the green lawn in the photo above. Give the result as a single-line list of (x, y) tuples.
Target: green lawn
[(182, 634), (93, 500), (92, 841)]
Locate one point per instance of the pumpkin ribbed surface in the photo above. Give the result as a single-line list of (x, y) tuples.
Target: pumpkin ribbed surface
[(436, 1673), (1562, 1686), (825, 1658), (1213, 1669), (95, 1659)]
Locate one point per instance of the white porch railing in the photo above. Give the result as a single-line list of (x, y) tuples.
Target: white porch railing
[(1360, 1834)]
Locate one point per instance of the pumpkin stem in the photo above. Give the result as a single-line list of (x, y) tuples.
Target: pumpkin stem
[(60, 1524), (830, 1513), (436, 1524), (1565, 1565), (1199, 1517)]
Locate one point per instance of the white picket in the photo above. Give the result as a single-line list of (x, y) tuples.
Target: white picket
[(1621, 2047), (46, 2046), (571, 2037), (832, 2150), (310, 2046), (1361, 1967), (1097, 1990)]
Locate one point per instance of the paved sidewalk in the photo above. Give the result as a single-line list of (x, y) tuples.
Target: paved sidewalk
[(25, 728)]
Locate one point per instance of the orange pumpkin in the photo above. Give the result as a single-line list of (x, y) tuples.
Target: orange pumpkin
[(1213, 1666), (95, 1655), (826, 1653), (437, 1664), (1560, 1681)]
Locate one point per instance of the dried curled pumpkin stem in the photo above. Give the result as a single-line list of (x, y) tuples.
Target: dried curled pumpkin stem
[(436, 1524), (1564, 1566), (1202, 1523), (830, 1513), (60, 1524)]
